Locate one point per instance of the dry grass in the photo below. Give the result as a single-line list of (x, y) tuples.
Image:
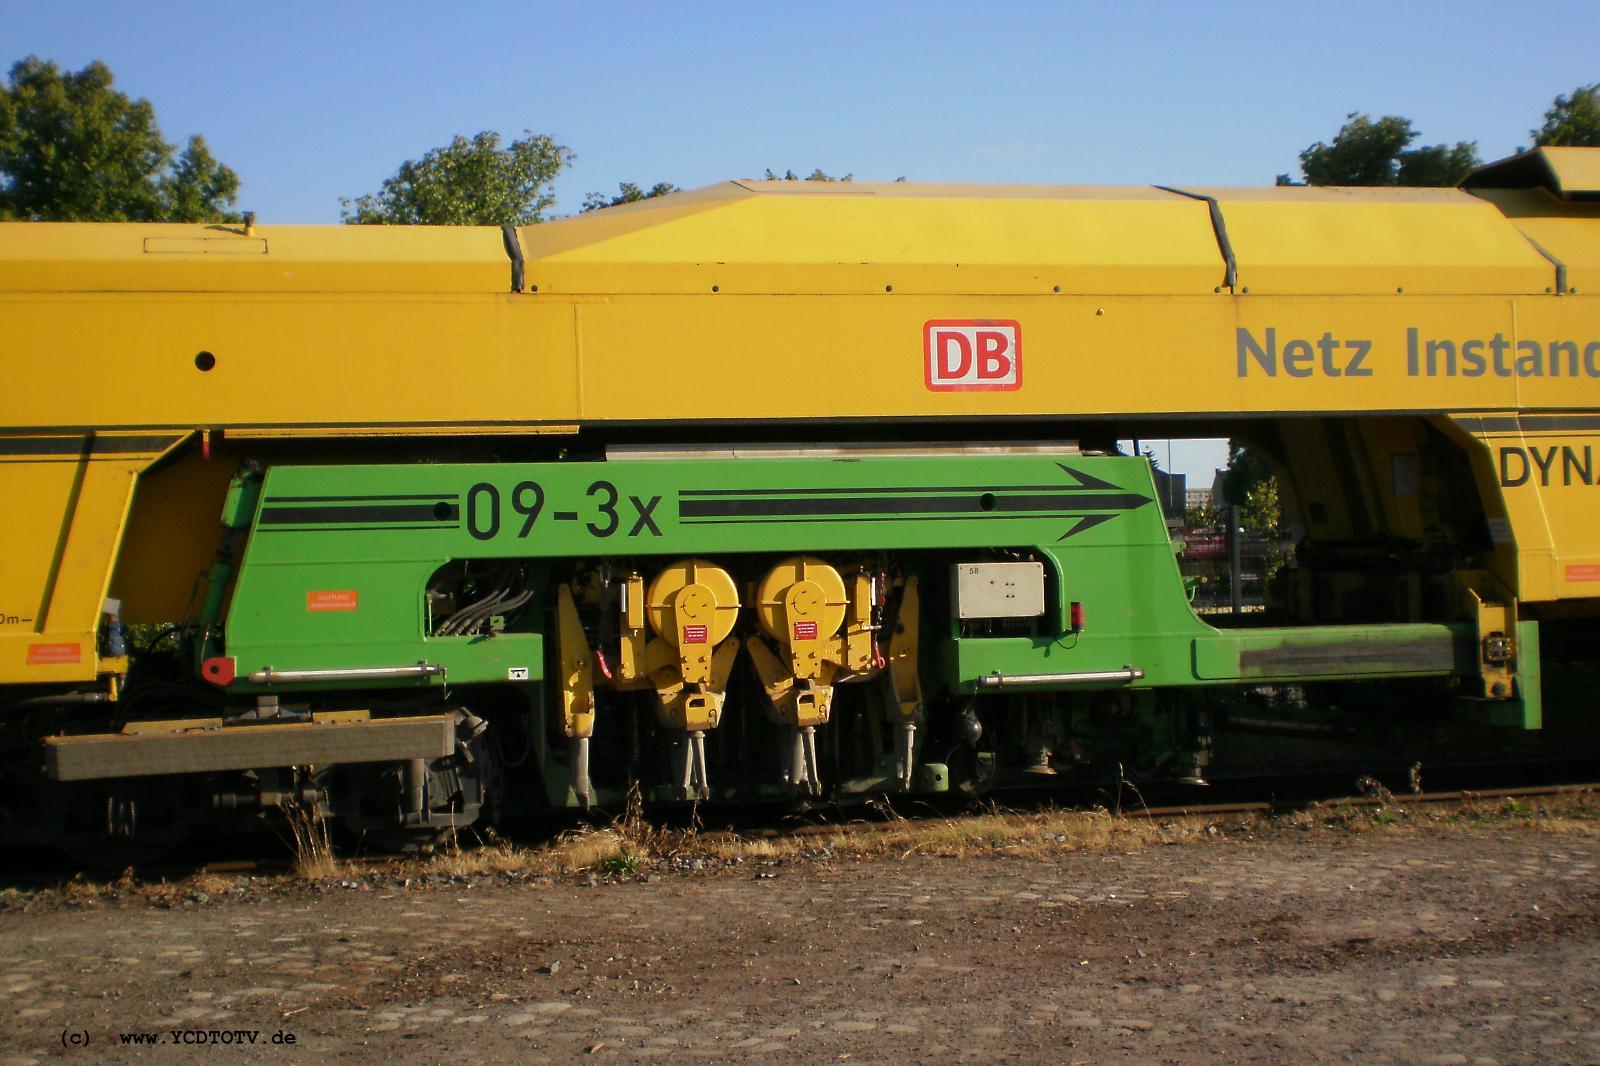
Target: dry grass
[(1573, 813), (632, 846), (309, 840), (623, 848), (725, 847), (1570, 814), (82, 891), (491, 855), (574, 852), (997, 831)]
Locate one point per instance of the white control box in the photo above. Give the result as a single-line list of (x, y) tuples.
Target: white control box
[(999, 590)]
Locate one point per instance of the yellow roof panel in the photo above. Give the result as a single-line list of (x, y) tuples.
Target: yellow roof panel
[(151, 257), (1363, 241), (1568, 232), (820, 238), (1569, 173), (1577, 171)]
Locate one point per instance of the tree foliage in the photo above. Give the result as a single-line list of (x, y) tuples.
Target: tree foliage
[(627, 193), (73, 149), (197, 186), (469, 182), (815, 175), (1572, 121), (1250, 485), (1365, 152), (1262, 510), (1202, 515)]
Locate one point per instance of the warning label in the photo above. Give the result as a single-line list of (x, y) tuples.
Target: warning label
[(54, 654), (805, 631), (332, 600), (694, 634), (1584, 572)]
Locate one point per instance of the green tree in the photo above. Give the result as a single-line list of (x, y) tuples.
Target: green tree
[(469, 182), (1250, 485), (1572, 121), (197, 185), (627, 193), (1365, 152), (815, 175), (1262, 512), (1252, 488), (1202, 516), (73, 149), (1438, 165)]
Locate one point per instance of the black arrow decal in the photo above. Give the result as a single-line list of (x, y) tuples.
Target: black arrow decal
[(1088, 521), (1085, 480)]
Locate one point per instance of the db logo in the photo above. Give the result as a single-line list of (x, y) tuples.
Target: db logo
[(972, 354)]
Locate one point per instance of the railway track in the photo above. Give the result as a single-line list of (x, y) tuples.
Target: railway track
[(268, 855), (1381, 799), (1376, 797)]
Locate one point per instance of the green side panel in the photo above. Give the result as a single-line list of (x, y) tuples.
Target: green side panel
[(1335, 652), (1530, 679), (1135, 614), (339, 558), (669, 507)]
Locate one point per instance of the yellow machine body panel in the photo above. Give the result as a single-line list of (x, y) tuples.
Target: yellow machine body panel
[(1568, 233), (820, 306), (1301, 241), (788, 238), (1544, 468), (71, 497), (143, 257), (753, 300)]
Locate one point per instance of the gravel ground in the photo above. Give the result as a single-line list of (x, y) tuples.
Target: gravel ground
[(1466, 945)]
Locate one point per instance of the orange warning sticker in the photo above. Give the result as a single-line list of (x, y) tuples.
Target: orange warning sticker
[(1584, 572), (54, 654), (332, 600)]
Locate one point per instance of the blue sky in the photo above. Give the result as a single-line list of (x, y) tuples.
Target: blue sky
[(311, 102)]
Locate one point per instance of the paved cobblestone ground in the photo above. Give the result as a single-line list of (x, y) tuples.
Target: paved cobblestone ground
[(1479, 946)]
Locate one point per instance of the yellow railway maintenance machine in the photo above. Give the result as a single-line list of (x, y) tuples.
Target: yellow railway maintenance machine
[(774, 490)]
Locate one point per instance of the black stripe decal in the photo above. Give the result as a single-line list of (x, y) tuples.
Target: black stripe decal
[(912, 505), (362, 516), (1530, 423), (355, 528), (1488, 425), (840, 492), (1537, 423), (991, 517), (443, 496)]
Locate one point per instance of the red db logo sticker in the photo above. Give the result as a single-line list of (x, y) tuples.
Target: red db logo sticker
[(972, 354)]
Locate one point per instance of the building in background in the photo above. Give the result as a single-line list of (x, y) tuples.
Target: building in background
[(1173, 492)]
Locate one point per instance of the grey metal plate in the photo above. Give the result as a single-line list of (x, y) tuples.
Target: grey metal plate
[(110, 755), (999, 590)]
